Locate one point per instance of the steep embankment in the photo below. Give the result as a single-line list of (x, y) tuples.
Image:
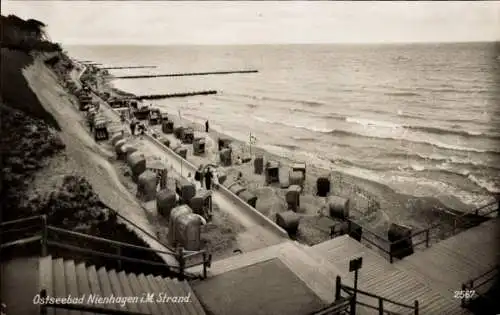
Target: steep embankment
[(45, 169)]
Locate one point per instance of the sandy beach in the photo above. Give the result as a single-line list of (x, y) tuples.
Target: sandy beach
[(373, 205)]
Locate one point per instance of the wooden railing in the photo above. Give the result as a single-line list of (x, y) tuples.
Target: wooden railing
[(43, 233), (472, 288), (381, 301), (418, 238)]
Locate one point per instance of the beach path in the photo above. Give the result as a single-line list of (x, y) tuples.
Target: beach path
[(92, 159)]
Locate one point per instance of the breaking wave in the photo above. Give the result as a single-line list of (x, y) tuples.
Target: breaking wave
[(444, 131), (308, 103), (310, 128), (402, 94), (337, 132), (465, 162)]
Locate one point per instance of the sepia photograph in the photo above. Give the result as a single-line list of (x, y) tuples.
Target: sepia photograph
[(250, 157)]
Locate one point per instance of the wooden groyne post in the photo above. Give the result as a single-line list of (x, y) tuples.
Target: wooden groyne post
[(129, 67), (161, 96), (145, 76)]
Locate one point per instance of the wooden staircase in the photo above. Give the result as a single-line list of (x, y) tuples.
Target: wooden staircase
[(458, 259), (61, 278), (430, 276)]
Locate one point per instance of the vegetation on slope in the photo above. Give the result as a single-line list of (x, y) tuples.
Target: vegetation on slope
[(29, 139)]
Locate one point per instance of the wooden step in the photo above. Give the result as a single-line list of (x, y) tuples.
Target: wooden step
[(143, 282), (176, 288), (162, 284), (106, 287), (127, 290), (165, 307), (116, 288), (137, 289), (83, 283), (71, 284), (46, 279), (59, 282), (95, 286), (194, 299)]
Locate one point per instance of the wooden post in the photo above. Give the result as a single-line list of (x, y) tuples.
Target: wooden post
[(355, 265), (204, 265), (119, 253), (416, 307), (338, 284), (462, 300), (43, 296), (355, 290), (380, 306), (427, 238), (180, 256), (44, 235)]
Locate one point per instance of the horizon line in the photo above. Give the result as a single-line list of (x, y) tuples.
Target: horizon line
[(284, 44)]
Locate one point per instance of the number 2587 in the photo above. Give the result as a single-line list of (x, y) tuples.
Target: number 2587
[(464, 294)]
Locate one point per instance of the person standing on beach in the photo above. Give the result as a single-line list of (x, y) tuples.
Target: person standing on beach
[(208, 179), (206, 126), (215, 176), (198, 176), (132, 127)]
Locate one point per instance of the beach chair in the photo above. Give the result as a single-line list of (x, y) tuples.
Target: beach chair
[(154, 116), (272, 172), (185, 189), (101, 130), (225, 156), (179, 132), (201, 204), (299, 167), (163, 117), (188, 135), (199, 146), (293, 197)]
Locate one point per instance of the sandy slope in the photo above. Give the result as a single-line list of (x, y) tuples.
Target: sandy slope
[(92, 161)]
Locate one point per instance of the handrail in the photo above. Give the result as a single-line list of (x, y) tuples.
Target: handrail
[(456, 219), (22, 241), (108, 255), (106, 241), (339, 287), (135, 225), (378, 297), (43, 236), (5, 223), (334, 307), (470, 287), (425, 231)]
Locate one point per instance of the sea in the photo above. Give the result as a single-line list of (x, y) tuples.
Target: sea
[(420, 118)]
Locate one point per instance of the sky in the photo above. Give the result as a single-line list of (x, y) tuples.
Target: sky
[(260, 22)]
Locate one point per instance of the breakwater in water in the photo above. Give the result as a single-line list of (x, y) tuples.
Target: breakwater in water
[(162, 96), (145, 76), (128, 67)]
